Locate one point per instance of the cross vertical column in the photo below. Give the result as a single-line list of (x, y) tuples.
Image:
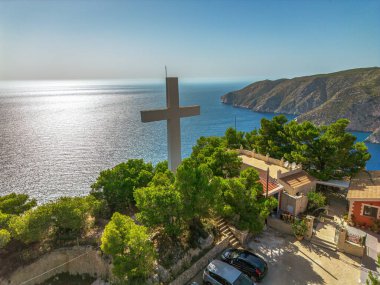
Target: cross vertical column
[(173, 123), (172, 114)]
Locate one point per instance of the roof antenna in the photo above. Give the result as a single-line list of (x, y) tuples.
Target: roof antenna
[(166, 72)]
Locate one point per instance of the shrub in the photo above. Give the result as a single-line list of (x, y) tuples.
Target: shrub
[(299, 228), (69, 214), (5, 238), (16, 204), (4, 218), (315, 200), (33, 225)]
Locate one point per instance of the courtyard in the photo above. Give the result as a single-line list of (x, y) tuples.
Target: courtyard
[(294, 262)]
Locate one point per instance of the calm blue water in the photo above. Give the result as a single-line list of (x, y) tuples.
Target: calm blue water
[(56, 138)]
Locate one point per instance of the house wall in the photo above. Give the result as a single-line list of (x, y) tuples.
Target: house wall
[(356, 209), (301, 204), (298, 203)]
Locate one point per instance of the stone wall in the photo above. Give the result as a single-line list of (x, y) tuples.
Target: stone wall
[(200, 264), (348, 247), (75, 260), (299, 203), (242, 236), (280, 225), (269, 159)]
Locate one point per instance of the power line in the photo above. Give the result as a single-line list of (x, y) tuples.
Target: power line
[(25, 282)]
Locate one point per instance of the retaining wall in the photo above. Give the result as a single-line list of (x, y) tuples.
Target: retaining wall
[(82, 260), (280, 225), (187, 275)]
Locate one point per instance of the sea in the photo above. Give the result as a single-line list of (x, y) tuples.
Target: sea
[(56, 137)]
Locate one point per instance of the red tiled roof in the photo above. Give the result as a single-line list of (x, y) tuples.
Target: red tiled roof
[(272, 183)]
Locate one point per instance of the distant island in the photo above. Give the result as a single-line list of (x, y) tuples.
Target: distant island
[(323, 98)]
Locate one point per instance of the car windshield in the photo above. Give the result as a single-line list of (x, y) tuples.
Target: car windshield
[(234, 254), (243, 280), (253, 260)]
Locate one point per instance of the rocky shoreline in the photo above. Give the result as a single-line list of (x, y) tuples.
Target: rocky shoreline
[(324, 98)]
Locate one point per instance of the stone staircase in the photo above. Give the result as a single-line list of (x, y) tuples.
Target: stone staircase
[(324, 236), (225, 231)]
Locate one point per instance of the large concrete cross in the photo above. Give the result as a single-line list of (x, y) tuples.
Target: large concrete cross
[(172, 114)]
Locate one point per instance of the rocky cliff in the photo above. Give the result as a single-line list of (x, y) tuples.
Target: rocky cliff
[(353, 94), (374, 137)]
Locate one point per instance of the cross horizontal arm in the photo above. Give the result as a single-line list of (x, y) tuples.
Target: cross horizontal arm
[(189, 111), (154, 115)]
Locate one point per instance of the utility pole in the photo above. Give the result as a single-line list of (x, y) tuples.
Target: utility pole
[(266, 196), (236, 142)]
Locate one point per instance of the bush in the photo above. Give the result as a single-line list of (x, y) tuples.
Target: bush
[(315, 200), (69, 214), (5, 238), (33, 225), (299, 228), (16, 204), (4, 218)]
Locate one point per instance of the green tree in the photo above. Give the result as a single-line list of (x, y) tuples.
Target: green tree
[(271, 137), (16, 204), (326, 152), (244, 203), (116, 185), (212, 151), (235, 139), (225, 163), (197, 188), (205, 147), (129, 245), (250, 139), (5, 238), (33, 225), (160, 205), (70, 214)]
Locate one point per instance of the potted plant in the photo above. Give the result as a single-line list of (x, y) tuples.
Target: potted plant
[(299, 228)]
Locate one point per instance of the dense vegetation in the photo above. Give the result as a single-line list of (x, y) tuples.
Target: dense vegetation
[(326, 152), (137, 199)]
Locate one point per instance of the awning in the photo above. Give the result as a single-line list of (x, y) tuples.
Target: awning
[(335, 183)]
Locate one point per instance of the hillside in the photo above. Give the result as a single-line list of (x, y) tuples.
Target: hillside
[(374, 137), (353, 94)]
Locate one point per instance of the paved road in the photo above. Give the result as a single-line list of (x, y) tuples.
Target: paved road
[(293, 262)]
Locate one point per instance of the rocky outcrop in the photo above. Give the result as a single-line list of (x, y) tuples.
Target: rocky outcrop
[(353, 94), (374, 137)]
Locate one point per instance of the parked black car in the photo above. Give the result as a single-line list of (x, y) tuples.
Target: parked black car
[(247, 262)]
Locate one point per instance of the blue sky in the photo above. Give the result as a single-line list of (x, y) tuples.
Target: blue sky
[(195, 39)]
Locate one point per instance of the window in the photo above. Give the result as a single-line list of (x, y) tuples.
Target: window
[(218, 278), (370, 211)]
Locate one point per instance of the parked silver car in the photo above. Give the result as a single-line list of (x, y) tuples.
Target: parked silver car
[(221, 273)]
